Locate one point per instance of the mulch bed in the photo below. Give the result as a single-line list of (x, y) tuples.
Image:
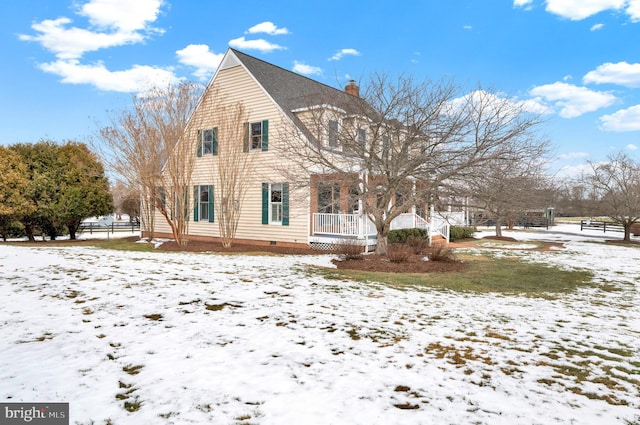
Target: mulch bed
[(415, 264)]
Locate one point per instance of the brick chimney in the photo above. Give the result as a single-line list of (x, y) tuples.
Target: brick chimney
[(352, 89)]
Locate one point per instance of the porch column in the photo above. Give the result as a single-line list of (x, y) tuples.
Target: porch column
[(431, 219)]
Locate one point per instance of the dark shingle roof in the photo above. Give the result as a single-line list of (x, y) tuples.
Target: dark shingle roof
[(290, 90)]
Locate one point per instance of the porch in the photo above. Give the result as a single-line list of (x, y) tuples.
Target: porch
[(330, 229)]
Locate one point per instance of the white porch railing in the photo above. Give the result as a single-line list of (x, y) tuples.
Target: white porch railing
[(360, 226), (338, 224), (409, 221)]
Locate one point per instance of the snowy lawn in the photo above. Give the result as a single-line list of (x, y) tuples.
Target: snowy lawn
[(174, 338)]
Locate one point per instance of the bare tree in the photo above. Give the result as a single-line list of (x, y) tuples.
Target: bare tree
[(575, 197), (232, 168), (147, 149), (403, 142), (126, 199), (514, 183), (505, 195), (617, 187)]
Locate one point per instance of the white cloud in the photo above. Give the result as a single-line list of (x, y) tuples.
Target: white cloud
[(267, 28), (304, 69), (259, 44), (573, 101), (113, 23), (622, 120), (344, 52), (536, 106), (200, 57), (573, 171), (495, 101), (577, 10), (573, 155), (467, 27), (137, 79), (621, 73), (597, 27), (632, 147), (522, 3), (633, 10), (124, 15)]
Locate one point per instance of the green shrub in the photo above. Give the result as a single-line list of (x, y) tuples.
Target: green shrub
[(11, 229), (461, 232), (402, 235)]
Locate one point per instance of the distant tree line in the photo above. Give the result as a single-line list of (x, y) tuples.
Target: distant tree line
[(49, 189)]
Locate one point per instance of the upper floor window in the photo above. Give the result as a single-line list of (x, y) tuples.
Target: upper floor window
[(208, 142), (362, 136), (256, 137), (334, 127)]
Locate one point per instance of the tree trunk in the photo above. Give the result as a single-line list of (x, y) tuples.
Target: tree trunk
[(73, 228), (627, 232), (28, 229), (498, 228), (381, 246)]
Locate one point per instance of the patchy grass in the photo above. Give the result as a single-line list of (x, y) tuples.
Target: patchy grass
[(218, 307), (132, 370), (485, 274)]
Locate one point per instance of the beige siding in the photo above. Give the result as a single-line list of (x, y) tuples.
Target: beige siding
[(235, 84)]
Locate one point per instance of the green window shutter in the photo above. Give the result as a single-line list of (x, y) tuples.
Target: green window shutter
[(285, 204), (196, 201), (265, 203), (265, 135), (211, 211), (245, 138), (199, 143), (215, 141)]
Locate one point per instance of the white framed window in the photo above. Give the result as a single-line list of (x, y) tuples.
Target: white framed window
[(203, 203), (275, 203), (256, 135), (334, 128), (362, 136), (208, 142)]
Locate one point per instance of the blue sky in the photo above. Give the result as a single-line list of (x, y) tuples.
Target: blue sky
[(66, 63)]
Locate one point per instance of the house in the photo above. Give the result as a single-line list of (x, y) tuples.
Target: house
[(274, 207)]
